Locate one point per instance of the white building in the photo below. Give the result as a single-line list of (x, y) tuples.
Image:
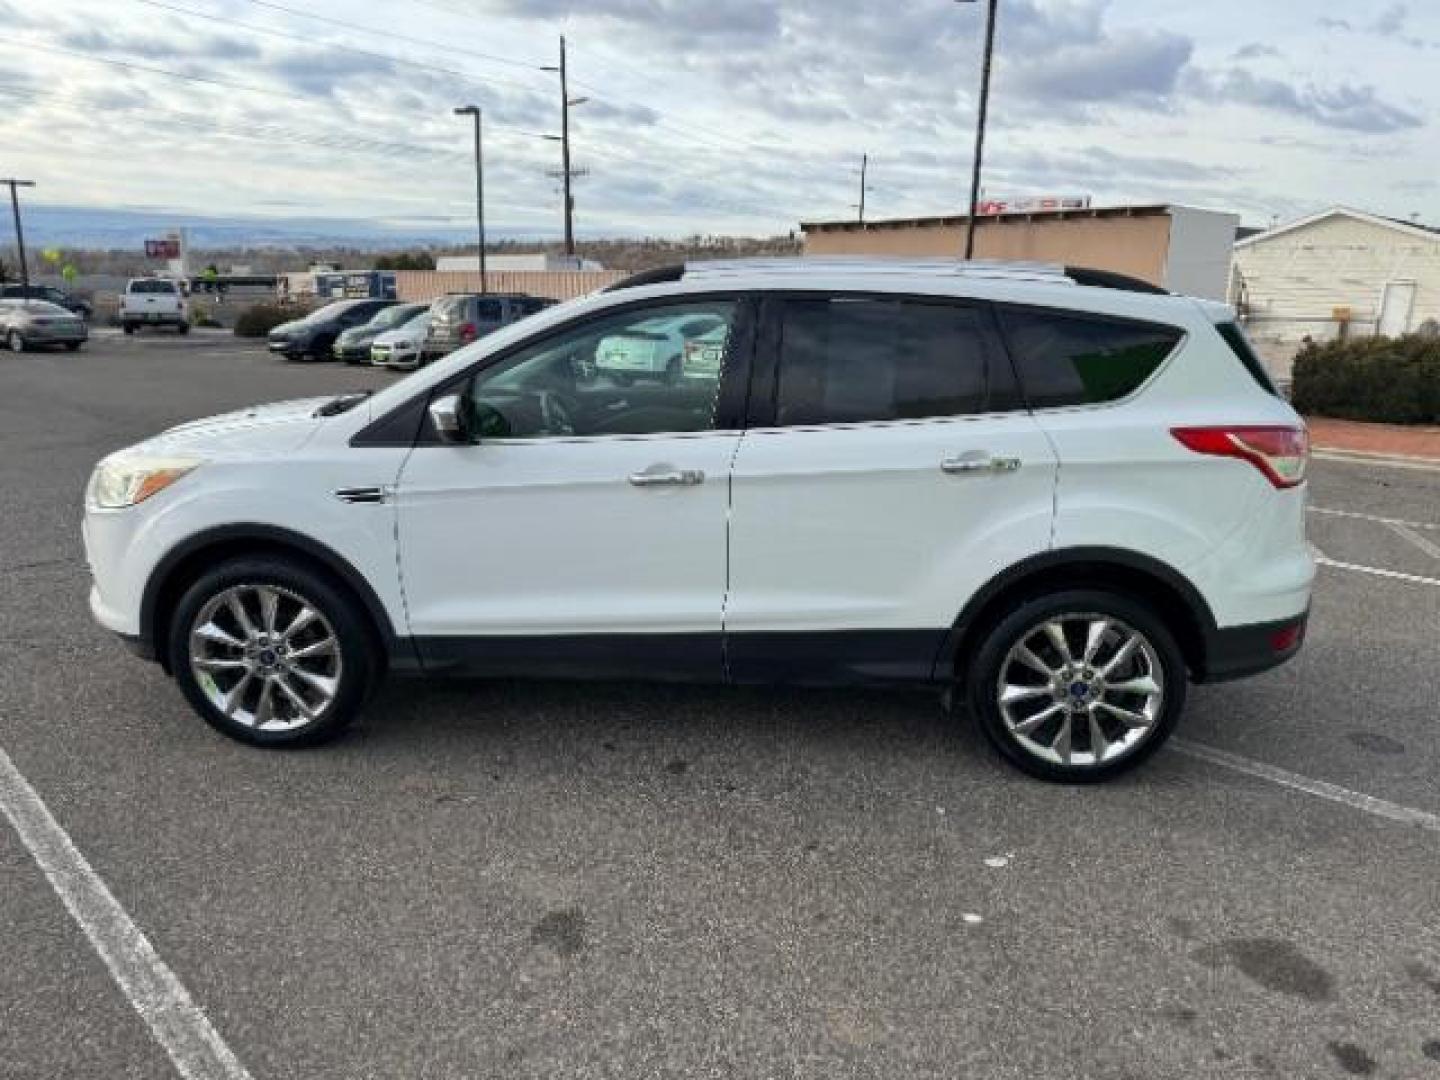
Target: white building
[(1339, 272), (539, 262)]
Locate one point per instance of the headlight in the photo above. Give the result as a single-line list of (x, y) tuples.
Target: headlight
[(119, 482)]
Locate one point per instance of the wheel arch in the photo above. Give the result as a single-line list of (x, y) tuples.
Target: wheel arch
[(186, 561), (1174, 597)]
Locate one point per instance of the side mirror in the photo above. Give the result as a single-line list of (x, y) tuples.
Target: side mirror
[(448, 419)]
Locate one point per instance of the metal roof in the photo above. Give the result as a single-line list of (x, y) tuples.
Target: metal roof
[(942, 221)]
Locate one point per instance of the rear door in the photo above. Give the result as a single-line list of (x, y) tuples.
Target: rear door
[(889, 471)]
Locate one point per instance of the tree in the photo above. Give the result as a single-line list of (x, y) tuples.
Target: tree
[(406, 261)]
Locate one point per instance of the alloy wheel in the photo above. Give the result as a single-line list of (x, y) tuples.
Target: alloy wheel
[(1081, 690), (265, 657)]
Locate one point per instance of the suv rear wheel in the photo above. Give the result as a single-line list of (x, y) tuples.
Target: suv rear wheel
[(271, 653), (1077, 686)]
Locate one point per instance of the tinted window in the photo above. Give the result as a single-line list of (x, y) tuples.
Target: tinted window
[(608, 377), (489, 310), (848, 361), (1246, 354), (1080, 359), (152, 287)]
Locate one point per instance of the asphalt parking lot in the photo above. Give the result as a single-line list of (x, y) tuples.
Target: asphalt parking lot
[(544, 880)]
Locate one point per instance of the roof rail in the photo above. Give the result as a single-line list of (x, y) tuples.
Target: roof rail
[(842, 264), (783, 266)]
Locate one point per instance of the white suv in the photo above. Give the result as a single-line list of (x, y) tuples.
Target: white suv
[(1060, 493)]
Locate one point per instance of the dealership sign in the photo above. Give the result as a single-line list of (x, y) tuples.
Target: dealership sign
[(1034, 204), (169, 248)]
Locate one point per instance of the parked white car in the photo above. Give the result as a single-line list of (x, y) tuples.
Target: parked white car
[(154, 302), (403, 346), (656, 348), (1060, 495)]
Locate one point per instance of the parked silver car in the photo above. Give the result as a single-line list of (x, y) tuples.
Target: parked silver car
[(26, 324)]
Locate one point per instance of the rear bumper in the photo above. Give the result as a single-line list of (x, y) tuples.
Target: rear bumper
[(1235, 652)]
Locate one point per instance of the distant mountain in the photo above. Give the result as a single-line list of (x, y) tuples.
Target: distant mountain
[(121, 229)]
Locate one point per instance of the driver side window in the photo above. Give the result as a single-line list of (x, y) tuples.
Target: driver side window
[(646, 371)]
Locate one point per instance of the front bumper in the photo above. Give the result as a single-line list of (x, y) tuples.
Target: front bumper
[(48, 335), (1236, 652)]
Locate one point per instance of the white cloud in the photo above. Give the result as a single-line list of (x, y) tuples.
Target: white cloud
[(741, 115)]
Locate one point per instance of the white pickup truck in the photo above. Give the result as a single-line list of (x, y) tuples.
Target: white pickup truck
[(153, 302)]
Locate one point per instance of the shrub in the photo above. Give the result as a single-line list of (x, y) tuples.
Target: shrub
[(259, 319), (1388, 380)]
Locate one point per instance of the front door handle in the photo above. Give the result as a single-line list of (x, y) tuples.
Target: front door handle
[(664, 476), (976, 464)]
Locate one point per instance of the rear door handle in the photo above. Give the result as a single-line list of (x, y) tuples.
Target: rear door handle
[(976, 464), (664, 476)]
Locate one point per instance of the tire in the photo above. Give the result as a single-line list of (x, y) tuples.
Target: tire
[(1083, 695), (182, 329), (352, 665), (129, 328), (73, 346), (15, 342)]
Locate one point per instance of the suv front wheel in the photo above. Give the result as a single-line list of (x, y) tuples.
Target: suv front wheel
[(271, 653), (1077, 686)]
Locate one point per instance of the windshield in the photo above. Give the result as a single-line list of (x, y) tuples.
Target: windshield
[(41, 307), (419, 322), (330, 311), (391, 317)]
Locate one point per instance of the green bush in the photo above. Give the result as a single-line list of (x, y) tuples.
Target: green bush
[(259, 319), (1387, 380)]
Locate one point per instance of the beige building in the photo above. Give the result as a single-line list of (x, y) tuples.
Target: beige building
[(1178, 248), (1338, 272)]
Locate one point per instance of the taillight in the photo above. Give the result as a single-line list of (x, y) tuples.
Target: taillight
[(1281, 453), (467, 331)]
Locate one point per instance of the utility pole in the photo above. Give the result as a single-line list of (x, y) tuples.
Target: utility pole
[(474, 111), (566, 172), (864, 168), (565, 152), (991, 18), (19, 231)]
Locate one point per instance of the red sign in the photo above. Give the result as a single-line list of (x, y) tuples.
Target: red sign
[(162, 249), (1035, 204)]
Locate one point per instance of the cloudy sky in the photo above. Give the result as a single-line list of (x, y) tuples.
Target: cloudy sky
[(720, 116)]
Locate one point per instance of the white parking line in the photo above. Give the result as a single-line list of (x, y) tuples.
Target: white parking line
[(1322, 789), (1375, 571), (1405, 532), (1371, 517), (177, 1023), (1389, 461)]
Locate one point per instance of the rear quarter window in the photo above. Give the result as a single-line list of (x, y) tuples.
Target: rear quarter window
[(1066, 359), (1246, 354)]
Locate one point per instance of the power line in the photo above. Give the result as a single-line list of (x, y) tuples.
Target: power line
[(388, 58), (225, 84), (390, 35)]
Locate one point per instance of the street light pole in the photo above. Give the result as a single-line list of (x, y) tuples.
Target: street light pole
[(19, 231), (474, 111), (991, 18)]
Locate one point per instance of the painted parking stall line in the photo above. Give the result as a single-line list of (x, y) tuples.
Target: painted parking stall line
[(1322, 789), (1357, 516), (177, 1023), (1376, 571)]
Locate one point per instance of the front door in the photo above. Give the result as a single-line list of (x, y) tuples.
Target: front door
[(1397, 301), (584, 533), (894, 474)]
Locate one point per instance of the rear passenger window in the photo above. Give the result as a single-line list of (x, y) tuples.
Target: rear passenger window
[(1082, 360), (851, 361)]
